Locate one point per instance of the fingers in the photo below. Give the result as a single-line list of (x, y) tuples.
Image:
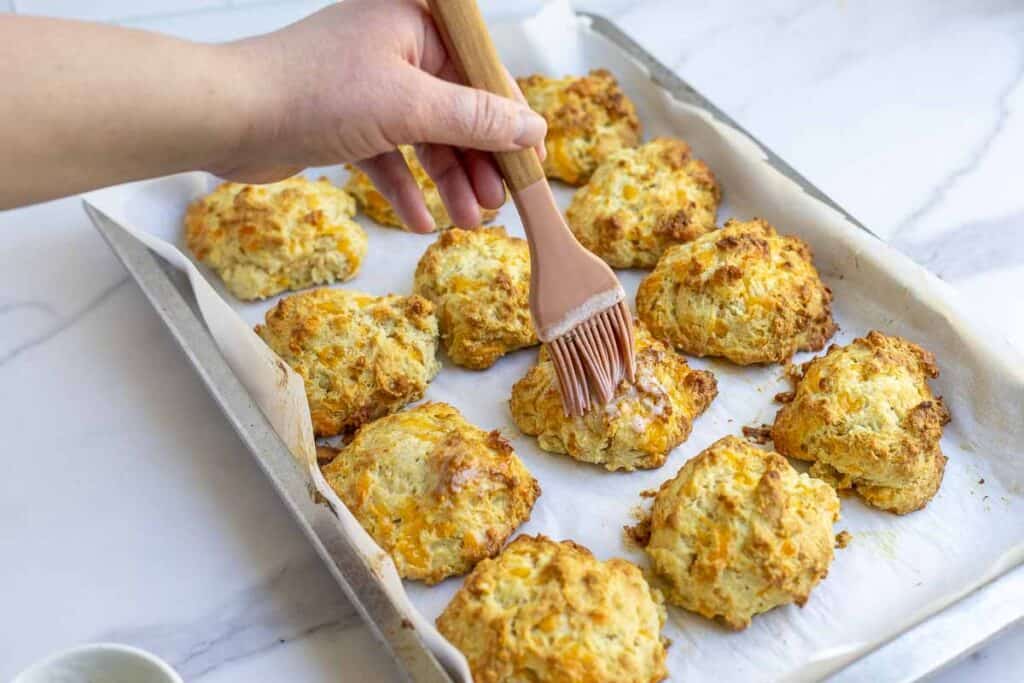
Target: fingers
[(393, 179), (445, 113), (485, 178), (443, 165), (542, 152)]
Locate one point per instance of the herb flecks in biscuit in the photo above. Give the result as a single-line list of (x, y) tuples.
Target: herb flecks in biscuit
[(360, 356), (589, 118), (434, 491), (744, 292), (865, 415), (377, 207), (479, 282), (550, 611), (738, 531), (266, 239), (641, 201), (637, 429)]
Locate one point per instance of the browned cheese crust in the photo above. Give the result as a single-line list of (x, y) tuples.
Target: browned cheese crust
[(437, 493), (266, 239), (738, 532), (550, 611), (744, 292), (637, 429), (479, 282), (360, 356), (642, 200), (865, 415), (589, 118)]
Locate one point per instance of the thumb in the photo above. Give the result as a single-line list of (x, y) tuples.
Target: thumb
[(448, 113)]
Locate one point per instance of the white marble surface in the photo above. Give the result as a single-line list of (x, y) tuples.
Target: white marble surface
[(129, 510)]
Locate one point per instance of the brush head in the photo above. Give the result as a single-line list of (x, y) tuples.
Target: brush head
[(577, 303)]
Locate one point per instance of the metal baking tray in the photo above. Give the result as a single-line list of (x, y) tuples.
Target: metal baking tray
[(917, 653)]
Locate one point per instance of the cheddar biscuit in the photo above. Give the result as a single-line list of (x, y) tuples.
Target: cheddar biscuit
[(550, 611), (738, 531), (266, 239), (865, 415), (360, 356), (588, 119), (637, 429), (479, 282), (374, 205), (642, 200), (743, 292), (435, 492)]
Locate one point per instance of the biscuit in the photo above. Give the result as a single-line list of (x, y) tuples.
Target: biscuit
[(588, 119), (637, 429), (360, 356), (479, 283), (743, 292), (642, 200), (374, 204), (266, 239), (865, 415), (550, 611), (435, 492), (738, 531)]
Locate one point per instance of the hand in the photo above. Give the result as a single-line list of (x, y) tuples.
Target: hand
[(355, 80)]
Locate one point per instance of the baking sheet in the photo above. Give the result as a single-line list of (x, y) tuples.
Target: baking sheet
[(897, 570)]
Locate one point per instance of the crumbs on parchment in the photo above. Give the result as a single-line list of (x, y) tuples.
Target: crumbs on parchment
[(843, 539), (759, 435)]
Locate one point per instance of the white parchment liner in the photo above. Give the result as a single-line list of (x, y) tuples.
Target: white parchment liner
[(897, 570)]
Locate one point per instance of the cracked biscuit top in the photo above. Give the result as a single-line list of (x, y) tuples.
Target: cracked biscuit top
[(266, 239), (436, 492), (550, 611), (360, 356), (738, 531), (744, 292), (642, 200), (637, 429), (588, 118), (479, 282), (866, 417)]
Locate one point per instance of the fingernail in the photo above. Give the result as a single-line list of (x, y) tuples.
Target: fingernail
[(532, 128)]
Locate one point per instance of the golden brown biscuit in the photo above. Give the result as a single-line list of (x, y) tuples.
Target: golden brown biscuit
[(360, 356), (637, 428), (479, 282), (435, 492), (588, 118), (266, 239), (642, 200), (738, 531), (549, 611), (379, 209), (743, 292), (865, 415)]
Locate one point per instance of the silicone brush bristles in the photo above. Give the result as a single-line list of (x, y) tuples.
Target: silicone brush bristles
[(593, 357)]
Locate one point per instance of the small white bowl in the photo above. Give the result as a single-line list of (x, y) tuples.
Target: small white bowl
[(106, 662)]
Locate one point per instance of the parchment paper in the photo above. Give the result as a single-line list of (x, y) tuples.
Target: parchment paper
[(896, 571)]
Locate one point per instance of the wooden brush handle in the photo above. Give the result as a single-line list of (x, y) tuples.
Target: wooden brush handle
[(469, 45)]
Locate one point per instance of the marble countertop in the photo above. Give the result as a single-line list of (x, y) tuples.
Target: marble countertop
[(130, 511)]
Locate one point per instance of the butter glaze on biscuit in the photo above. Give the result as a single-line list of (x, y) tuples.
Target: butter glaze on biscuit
[(550, 611), (637, 429), (434, 491), (643, 200), (589, 118), (377, 207), (865, 415), (479, 282), (360, 356), (266, 239), (738, 532), (744, 292)]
